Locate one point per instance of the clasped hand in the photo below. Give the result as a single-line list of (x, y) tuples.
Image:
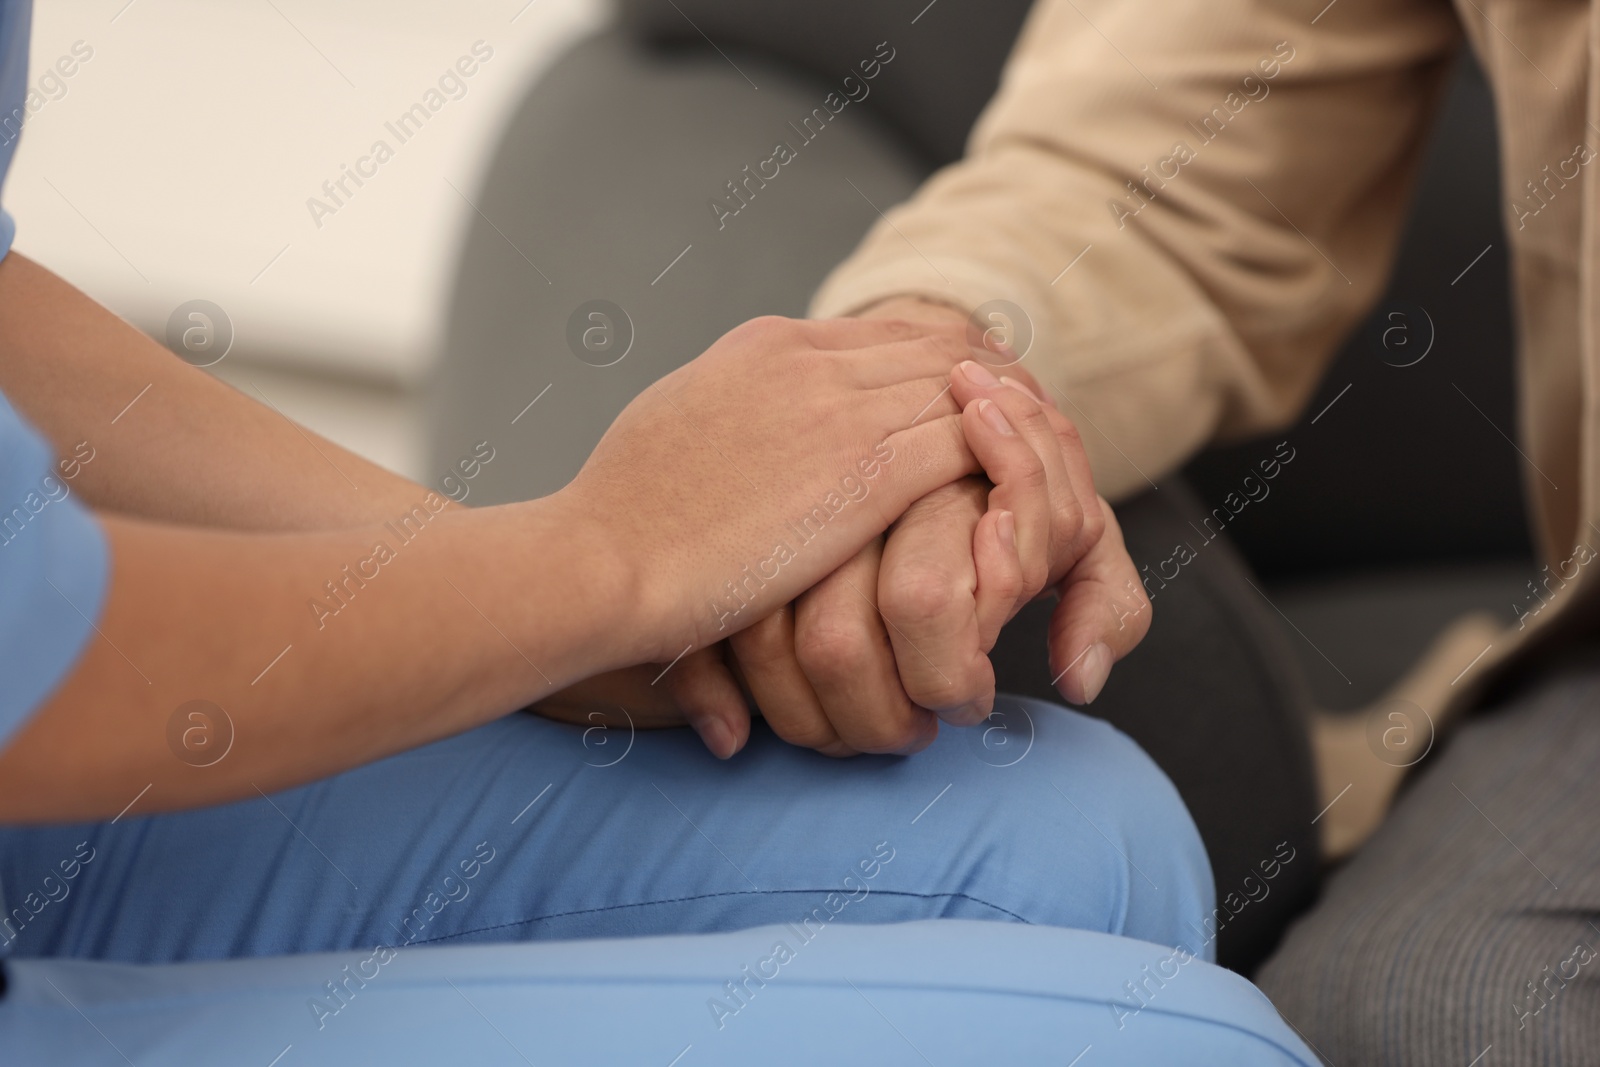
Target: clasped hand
[(893, 636)]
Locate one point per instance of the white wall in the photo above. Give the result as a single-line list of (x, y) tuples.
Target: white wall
[(177, 162)]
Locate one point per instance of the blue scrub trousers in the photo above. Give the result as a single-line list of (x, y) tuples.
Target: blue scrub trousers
[(657, 903)]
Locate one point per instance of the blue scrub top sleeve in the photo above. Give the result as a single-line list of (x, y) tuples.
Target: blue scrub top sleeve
[(54, 569)]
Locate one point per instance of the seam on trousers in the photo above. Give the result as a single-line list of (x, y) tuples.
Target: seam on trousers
[(709, 896)]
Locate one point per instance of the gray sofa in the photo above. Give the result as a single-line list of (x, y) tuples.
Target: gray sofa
[(602, 190)]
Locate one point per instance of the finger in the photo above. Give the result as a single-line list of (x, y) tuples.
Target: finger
[(989, 334), (932, 352), (855, 333), (1001, 588), (766, 661), (710, 699), (921, 458), (618, 696), (846, 654), (1076, 460), (926, 591), (1004, 360), (917, 401), (1055, 440), (1018, 375), (1020, 470), (1103, 614)]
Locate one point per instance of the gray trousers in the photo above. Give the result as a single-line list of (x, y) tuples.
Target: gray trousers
[(1469, 926)]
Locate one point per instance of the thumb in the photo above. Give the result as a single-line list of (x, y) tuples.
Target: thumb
[(705, 691), (1102, 616)]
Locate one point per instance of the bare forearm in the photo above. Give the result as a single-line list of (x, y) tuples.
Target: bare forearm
[(321, 650), (167, 440), (327, 649)]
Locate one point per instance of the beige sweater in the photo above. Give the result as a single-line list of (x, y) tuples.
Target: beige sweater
[(1194, 202)]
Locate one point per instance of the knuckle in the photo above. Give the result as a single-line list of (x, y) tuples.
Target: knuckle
[(902, 329), (1092, 523), (809, 732), (888, 734), (1066, 431), (1066, 536), (1035, 573), (1029, 415), (956, 688), (964, 698), (768, 328), (1011, 585), (1140, 622), (763, 645), (920, 594), (1030, 474), (1068, 518), (832, 646), (951, 342), (954, 506), (969, 714), (773, 324)]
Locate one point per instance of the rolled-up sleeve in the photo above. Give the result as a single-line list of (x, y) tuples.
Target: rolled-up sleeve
[(1191, 203), (54, 569)]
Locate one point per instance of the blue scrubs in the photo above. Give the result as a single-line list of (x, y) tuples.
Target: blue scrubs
[(1028, 892)]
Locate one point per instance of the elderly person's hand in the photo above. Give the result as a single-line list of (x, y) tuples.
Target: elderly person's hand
[(873, 656)]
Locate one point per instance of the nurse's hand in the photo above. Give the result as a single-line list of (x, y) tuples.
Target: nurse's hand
[(746, 476)]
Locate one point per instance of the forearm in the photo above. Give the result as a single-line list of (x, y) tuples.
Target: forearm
[(442, 631), (327, 649), (1147, 236), (168, 441)]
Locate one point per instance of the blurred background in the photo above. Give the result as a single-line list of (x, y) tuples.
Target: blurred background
[(542, 159), (204, 151), (176, 162)]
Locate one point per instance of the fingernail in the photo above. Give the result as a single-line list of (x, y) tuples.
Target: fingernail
[(1094, 672), (979, 375), (1023, 389), (1006, 528), (990, 412), (717, 737)]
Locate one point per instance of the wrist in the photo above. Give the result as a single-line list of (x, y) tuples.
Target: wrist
[(914, 309), (612, 618)]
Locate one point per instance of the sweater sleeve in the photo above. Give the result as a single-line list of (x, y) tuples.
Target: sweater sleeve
[(1190, 204)]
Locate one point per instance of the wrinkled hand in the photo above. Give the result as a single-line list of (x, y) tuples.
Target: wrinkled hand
[(836, 673), (875, 655)]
